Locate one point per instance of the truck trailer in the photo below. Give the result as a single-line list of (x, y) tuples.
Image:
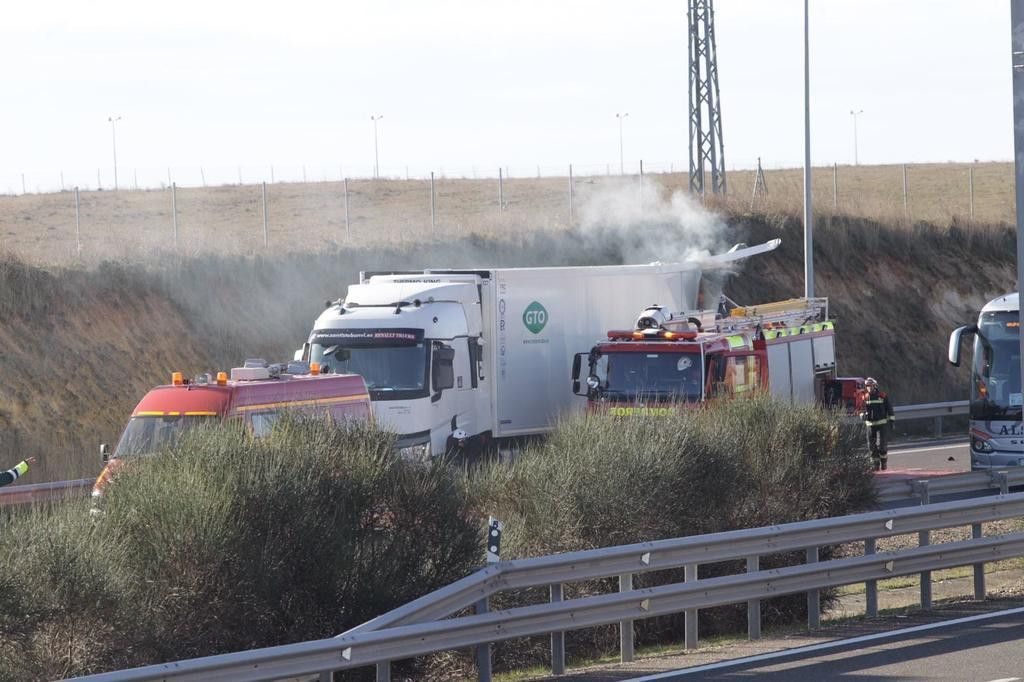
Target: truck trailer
[(670, 359), (467, 357)]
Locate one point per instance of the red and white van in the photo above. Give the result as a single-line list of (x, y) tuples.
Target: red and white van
[(257, 394)]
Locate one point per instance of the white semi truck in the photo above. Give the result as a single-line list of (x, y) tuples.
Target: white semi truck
[(472, 356)]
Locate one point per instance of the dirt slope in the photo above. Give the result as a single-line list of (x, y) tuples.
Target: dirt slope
[(79, 347)]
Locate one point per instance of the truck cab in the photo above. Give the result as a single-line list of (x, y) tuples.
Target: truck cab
[(255, 395)]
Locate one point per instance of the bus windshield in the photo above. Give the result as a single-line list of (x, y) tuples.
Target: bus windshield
[(995, 381), (658, 376), (148, 434)]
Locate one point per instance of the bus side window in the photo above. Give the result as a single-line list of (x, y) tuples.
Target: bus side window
[(263, 422)]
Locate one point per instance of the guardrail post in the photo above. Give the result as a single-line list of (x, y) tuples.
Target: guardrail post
[(938, 427), (754, 605), (384, 671), (813, 596), (625, 626), (690, 615), (979, 569), (871, 586), (326, 676), (999, 478), (483, 651), (557, 638), (923, 540)]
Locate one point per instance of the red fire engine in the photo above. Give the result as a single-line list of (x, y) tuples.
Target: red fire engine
[(786, 348)]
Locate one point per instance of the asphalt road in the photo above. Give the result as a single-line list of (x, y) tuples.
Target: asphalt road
[(944, 455), (985, 648)]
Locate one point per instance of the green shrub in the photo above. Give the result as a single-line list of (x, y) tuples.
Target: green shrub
[(600, 481), (227, 543)]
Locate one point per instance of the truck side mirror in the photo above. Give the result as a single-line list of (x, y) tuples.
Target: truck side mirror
[(443, 370), (577, 364), (954, 342), (104, 452)]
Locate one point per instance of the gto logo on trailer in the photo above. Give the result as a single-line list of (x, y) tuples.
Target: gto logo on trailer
[(535, 317)]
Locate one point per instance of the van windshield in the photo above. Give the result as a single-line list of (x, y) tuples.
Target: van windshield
[(151, 433)]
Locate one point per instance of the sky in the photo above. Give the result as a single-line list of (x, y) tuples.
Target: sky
[(465, 87)]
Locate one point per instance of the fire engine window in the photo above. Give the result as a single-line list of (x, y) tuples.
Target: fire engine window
[(263, 422), (148, 434)]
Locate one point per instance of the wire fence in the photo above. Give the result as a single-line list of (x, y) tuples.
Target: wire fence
[(295, 209)]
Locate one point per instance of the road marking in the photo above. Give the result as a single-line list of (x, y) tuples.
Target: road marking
[(1006, 679), (826, 646), (925, 449)]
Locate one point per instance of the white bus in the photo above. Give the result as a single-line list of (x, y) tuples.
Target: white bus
[(997, 435)]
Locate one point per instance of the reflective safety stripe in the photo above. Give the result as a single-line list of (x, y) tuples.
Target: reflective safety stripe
[(828, 325), (873, 402), (879, 422), (736, 341), (21, 469)]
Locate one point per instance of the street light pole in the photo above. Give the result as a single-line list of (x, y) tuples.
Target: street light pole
[(621, 118), (855, 114), (376, 156), (113, 139), (808, 209)]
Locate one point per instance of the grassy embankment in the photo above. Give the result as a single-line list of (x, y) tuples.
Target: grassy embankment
[(227, 543)]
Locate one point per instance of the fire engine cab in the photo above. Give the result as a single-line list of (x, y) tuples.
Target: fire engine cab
[(668, 358), (256, 395)]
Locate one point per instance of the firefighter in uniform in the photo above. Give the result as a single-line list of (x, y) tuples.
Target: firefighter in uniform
[(11, 475), (878, 418)]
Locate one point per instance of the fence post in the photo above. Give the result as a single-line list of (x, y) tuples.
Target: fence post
[(754, 605), (174, 213), (641, 185), (906, 203), (924, 539), (348, 225), (813, 596), (557, 638), (625, 626), (483, 651), (979, 568), (78, 223), (433, 200), (690, 615), (835, 186), (62, 181), (871, 586), (572, 208), (970, 183), (501, 193), (266, 233)]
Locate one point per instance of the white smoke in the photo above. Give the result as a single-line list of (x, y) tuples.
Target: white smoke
[(645, 226)]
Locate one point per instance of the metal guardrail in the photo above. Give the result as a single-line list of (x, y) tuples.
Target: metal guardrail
[(927, 410), (44, 492), (950, 484), (418, 628)]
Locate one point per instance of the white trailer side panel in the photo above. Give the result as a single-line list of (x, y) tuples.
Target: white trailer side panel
[(779, 384), (543, 316), (802, 363)]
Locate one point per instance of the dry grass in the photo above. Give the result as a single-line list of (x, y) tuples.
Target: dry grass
[(134, 225)]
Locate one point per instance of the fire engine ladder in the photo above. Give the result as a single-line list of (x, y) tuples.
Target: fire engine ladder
[(793, 312)]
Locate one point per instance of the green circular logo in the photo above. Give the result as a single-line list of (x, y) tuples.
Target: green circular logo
[(535, 317)]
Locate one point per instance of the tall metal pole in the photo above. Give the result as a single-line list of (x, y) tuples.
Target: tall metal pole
[(1017, 28), (376, 154), (622, 165), (808, 210), (501, 193), (572, 207), (113, 138), (970, 182)]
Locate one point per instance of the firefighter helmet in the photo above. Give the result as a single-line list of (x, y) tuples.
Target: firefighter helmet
[(870, 381)]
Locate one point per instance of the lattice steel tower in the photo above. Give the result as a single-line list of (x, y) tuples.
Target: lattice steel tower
[(706, 151)]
